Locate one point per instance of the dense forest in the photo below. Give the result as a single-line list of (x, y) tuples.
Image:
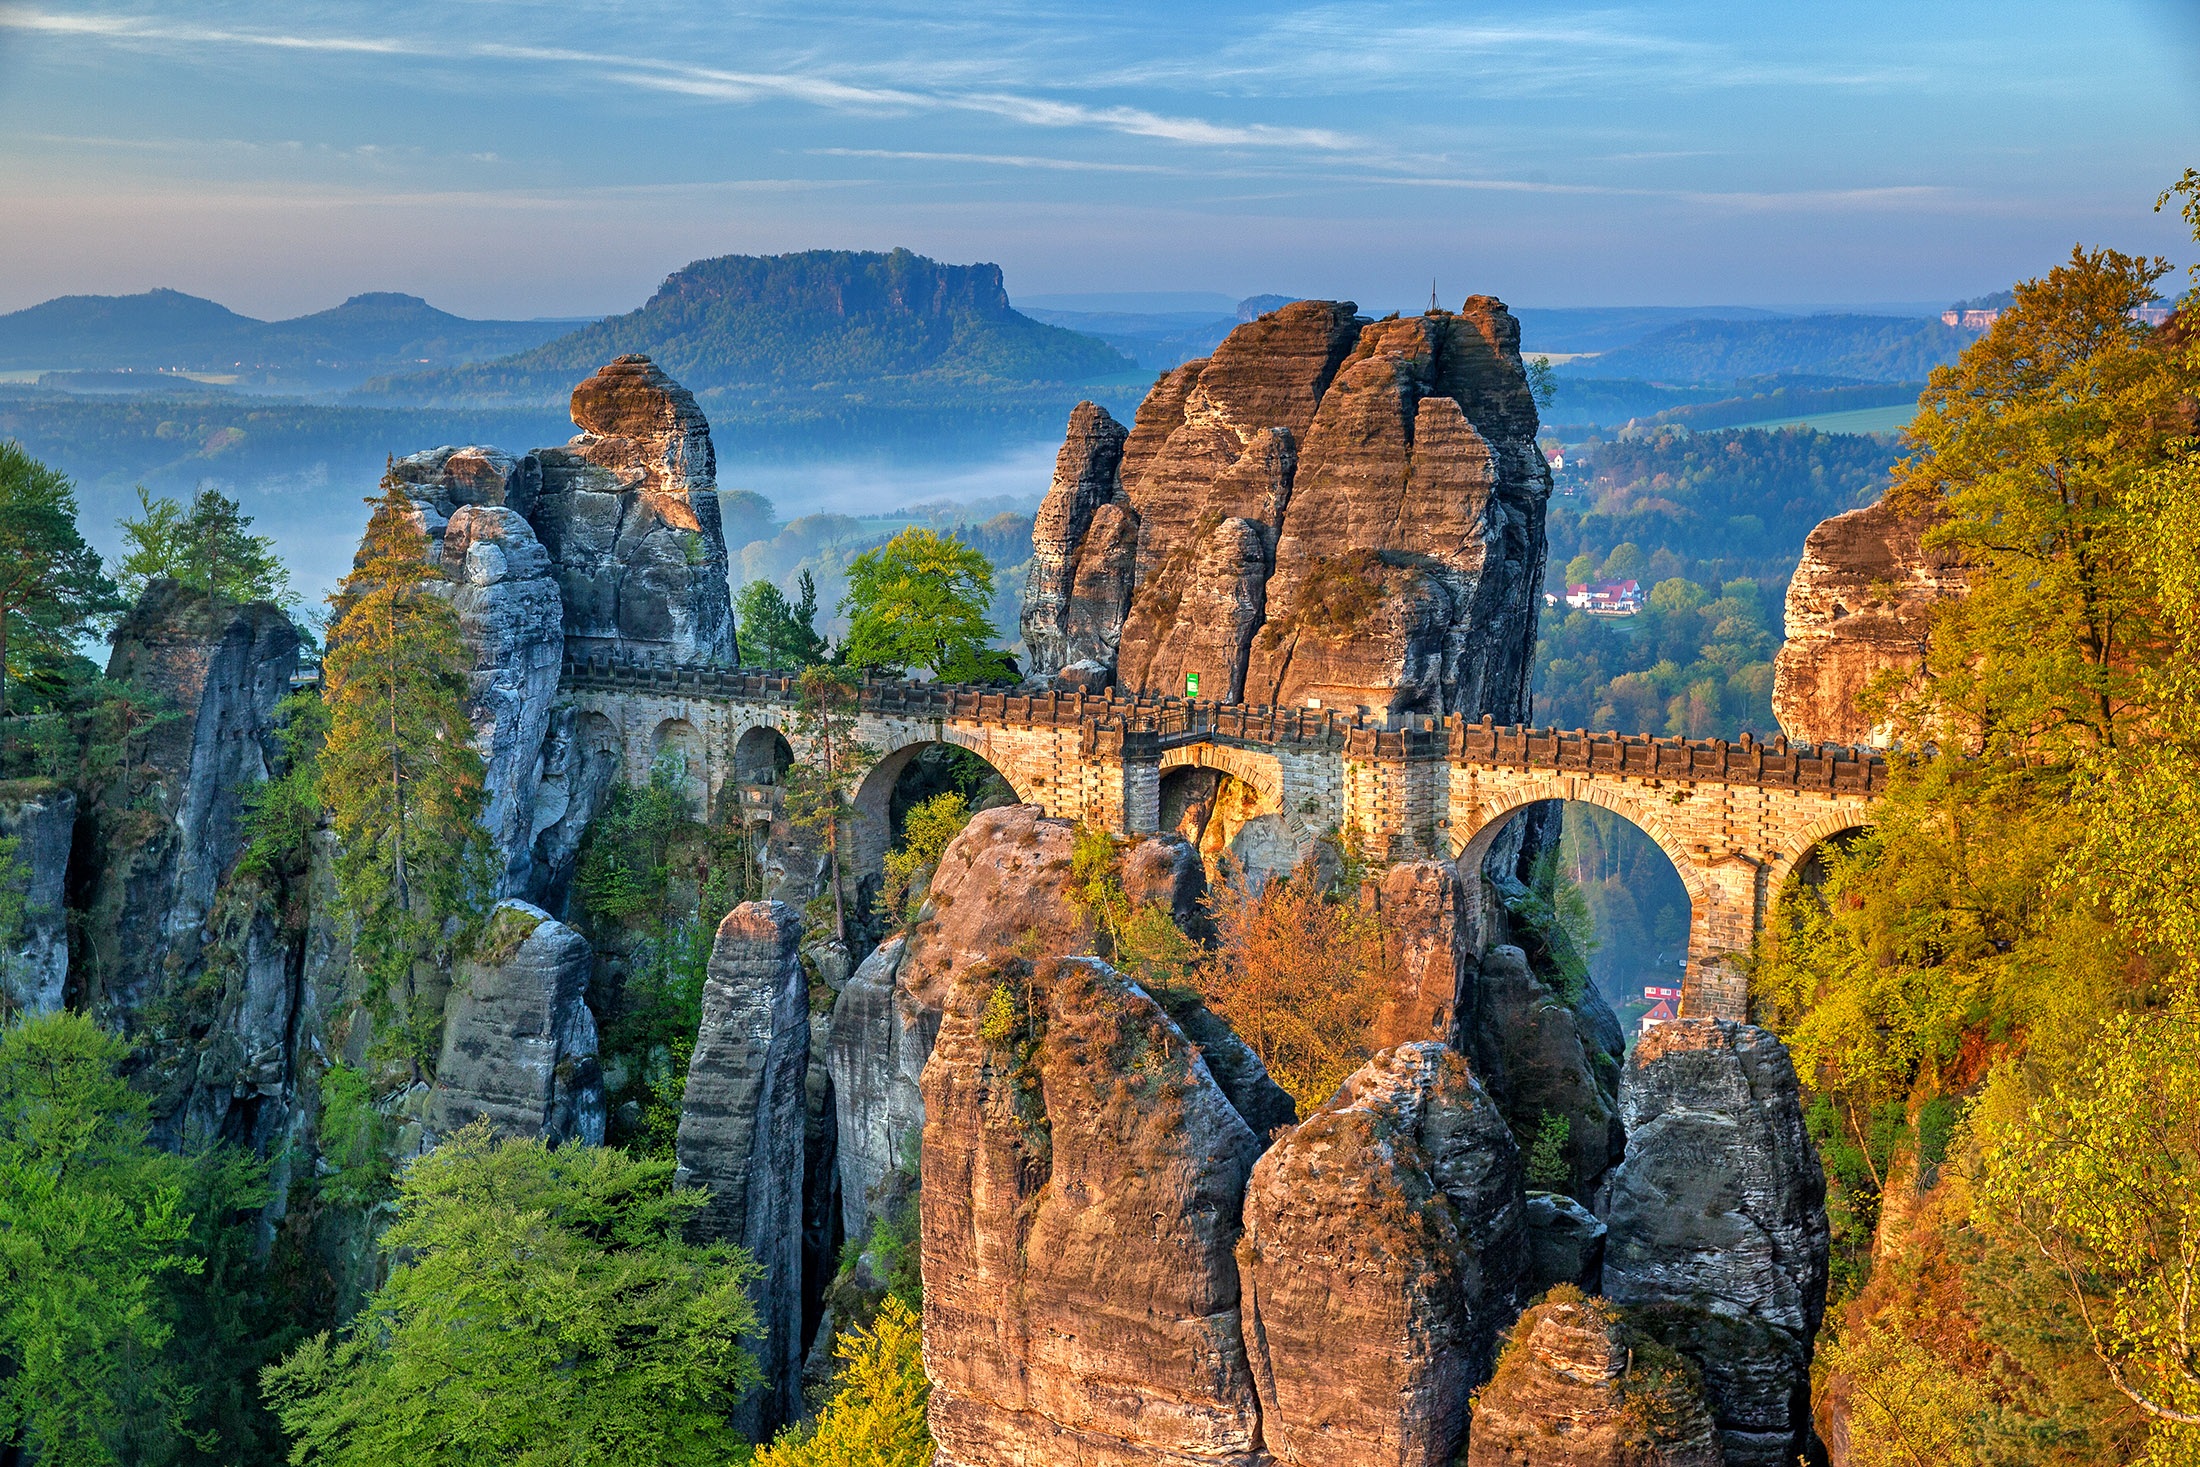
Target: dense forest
[(1861, 348)]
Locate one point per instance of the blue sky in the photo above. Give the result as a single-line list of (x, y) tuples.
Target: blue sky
[(512, 158)]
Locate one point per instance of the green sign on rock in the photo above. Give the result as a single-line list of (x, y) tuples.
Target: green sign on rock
[(1191, 685)]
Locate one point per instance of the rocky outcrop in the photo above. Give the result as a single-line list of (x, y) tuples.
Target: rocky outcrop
[(881, 1037), (1860, 604), (1578, 1388), (1381, 1259), (1565, 1243), (34, 966), (1422, 907), (1544, 1057), (742, 1135), (1062, 622), (629, 513), (1718, 1224), (220, 669), (1083, 1175), (1327, 510), (519, 1044), (511, 615)]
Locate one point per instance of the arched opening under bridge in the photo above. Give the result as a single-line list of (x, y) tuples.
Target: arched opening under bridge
[(910, 776), (1229, 803)]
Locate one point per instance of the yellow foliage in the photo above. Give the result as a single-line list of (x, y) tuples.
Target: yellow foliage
[(876, 1415)]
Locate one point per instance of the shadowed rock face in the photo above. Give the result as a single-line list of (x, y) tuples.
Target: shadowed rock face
[(519, 1044), (1718, 1224), (222, 668), (1572, 1392), (1083, 1175), (1382, 1256), (1860, 604), (742, 1132), (35, 977), (1327, 508), (1544, 1057)]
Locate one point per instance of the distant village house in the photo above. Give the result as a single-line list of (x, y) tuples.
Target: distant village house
[(1606, 598)]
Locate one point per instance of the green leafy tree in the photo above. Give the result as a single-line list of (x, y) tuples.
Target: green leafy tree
[(925, 837), (778, 632), (398, 772), (921, 600), (208, 547), (92, 1232), (876, 1415), (542, 1308), (1548, 1166), (52, 588)]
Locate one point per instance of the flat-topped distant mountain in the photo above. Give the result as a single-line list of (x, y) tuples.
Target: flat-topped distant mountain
[(166, 331), (769, 335)]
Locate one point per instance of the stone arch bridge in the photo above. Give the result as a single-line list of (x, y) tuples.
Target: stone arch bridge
[(1735, 818)]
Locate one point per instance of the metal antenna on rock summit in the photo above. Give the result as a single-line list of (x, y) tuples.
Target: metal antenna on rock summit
[(1433, 307)]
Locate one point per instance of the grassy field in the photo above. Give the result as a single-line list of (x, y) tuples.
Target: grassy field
[(1855, 420)]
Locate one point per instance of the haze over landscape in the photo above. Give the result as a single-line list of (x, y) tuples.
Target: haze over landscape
[(1034, 735)]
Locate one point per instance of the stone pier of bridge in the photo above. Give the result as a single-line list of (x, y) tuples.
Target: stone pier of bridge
[(1735, 818)]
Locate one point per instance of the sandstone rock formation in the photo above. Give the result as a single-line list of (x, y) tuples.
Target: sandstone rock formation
[(1860, 604), (1718, 1224), (1327, 509), (1382, 1256), (629, 513), (1426, 949), (1083, 1175), (1565, 1244), (511, 615), (222, 668), (741, 1129), (1545, 1057), (1577, 1388), (519, 1043), (34, 969)]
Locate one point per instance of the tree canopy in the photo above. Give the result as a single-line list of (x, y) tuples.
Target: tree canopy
[(53, 589), (207, 547), (543, 1308), (777, 632), (921, 600)]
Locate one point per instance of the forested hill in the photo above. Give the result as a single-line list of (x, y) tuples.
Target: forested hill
[(782, 330), (1860, 348), (166, 330)]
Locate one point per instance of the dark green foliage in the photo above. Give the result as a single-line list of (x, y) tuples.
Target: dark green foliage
[(1870, 348), (541, 1308), (777, 632), (655, 882), (1692, 664), (52, 589), (207, 547), (282, 814), (1710, 506), (1548, 1167)]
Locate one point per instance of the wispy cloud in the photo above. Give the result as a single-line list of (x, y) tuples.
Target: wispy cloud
[(998, 160), (712, 83)]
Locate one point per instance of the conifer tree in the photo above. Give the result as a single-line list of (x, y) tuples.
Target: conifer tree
[(817, 798), (52, 588), (209, 548), (398, 773)]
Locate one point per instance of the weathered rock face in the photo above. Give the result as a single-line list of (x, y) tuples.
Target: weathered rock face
[(629, 513), (1860, 603), (1718, 1224), (742, 1133), (1383, 1253), (1083, 1175), (1565, 1244), (512, 617), (519, 1044), (1328, 508), (1423, 907), (34, 978), (223, 668), (1544, 1057), (1574, 1390)]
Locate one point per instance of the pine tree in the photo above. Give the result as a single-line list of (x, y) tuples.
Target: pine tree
[(52, 588), (775, 631), (209, 548), (398, 773), (817, 799)]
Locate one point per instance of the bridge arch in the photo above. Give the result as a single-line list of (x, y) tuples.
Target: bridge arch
[(1241, 813), (761, 755), (1809, 840), (678, 739), (874, 793)]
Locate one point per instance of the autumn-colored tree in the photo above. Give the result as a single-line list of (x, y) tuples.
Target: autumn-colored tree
[(398, 772), (1300, 977), (52, 588), (876, 1416)]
